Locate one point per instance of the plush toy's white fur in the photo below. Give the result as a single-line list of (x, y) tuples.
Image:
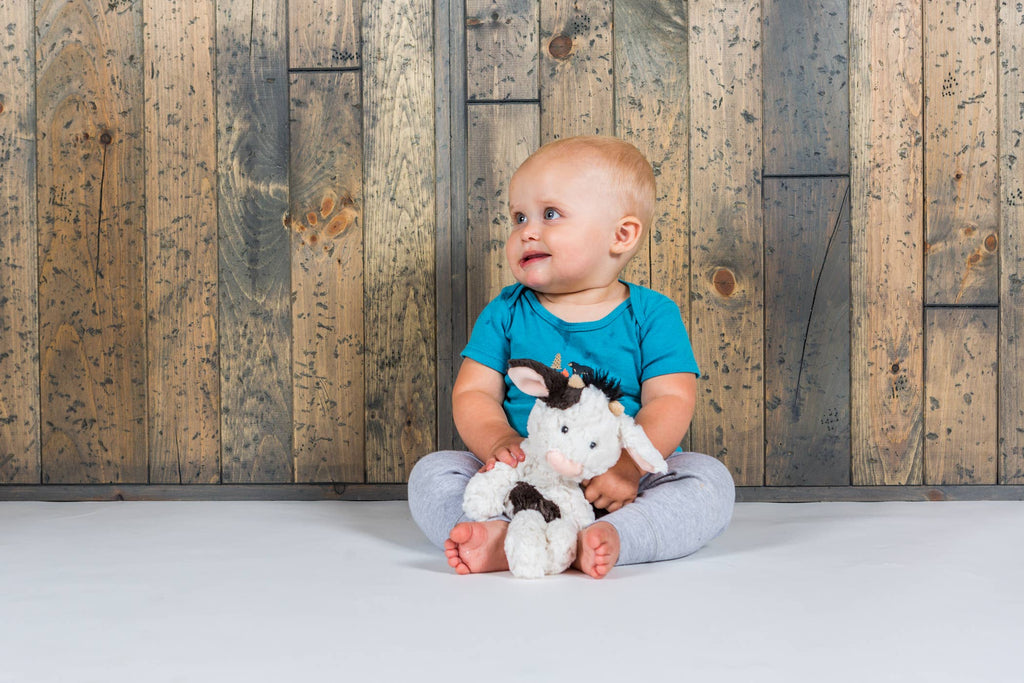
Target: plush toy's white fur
[(565, 445)]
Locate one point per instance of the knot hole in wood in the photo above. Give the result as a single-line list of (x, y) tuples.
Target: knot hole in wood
[(724, 282), (560, 46)]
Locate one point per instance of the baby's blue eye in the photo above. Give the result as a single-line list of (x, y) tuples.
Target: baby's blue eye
[(551, 214), (518, 218)]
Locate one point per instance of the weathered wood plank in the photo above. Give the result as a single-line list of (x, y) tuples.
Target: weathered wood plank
[(399, 159), (19, 324), (181, 231), (874, 494), (652, 112), (807, 332), (806, 80), (90, 188), (961, 113), (450, 199), (960, 386), (324, 34), (886, 178), (365, 492), (576, 70), (500, 137), (255, 316), (1011, 281), (327, 276), (726, 237), (501, 49), (224, 492)]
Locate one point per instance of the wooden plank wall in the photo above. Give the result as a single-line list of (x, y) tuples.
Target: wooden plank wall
[(244, 244)]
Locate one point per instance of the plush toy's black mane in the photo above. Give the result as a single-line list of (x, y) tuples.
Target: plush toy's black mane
[(606, 383), (599, 380)]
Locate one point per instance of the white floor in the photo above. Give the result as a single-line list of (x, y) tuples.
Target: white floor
[(262, 591)]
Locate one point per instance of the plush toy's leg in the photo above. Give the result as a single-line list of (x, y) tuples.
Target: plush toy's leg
[(562, 535), (485, 493), (526, 545)]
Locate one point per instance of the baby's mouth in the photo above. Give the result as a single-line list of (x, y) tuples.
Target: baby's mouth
[(531, 258)]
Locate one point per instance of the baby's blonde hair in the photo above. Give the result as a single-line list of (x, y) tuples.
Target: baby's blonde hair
[(630, 172)]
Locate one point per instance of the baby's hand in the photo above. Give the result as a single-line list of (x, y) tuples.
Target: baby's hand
[(509, 452), (616, 487)]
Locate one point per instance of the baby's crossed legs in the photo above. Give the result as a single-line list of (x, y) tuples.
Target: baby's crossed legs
[(674, 515)]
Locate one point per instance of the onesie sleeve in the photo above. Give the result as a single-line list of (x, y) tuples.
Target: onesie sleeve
[(664, 343), (489, 343)]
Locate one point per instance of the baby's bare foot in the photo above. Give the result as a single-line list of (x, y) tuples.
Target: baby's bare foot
[(598, 549), (476, 547)]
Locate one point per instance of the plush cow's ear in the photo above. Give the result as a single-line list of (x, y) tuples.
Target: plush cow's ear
[(639, 447), (529, 381)]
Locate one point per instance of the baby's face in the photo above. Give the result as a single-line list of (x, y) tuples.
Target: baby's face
[(564, 219)]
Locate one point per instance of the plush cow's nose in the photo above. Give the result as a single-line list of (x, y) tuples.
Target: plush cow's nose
[(563, 465)]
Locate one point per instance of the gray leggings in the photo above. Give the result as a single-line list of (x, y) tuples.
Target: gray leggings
[(675, 514)]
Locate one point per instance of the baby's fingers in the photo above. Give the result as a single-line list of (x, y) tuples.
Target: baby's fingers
[(518, 453), (506, 456)]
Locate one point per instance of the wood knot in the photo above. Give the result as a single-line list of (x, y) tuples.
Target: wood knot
[(106, 139), (560, 46), (895, 368), (991, 242), (724, 281)]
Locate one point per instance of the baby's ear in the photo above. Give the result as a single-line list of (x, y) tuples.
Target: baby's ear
[(627, 234)]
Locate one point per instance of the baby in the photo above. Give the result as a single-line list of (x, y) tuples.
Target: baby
[(579, 207)]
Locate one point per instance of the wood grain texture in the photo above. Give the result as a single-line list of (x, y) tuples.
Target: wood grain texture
[(807, 332), (960, 387), (806, 85), (1011, 251), (961, 113), (327, 276), (501, 49), (500, 138), (652, 112), (576, 69), (19, 341), (181, 234), (726, 237), (92, 282), (255, 270), (886, 241), (324, 34), (398, 121)]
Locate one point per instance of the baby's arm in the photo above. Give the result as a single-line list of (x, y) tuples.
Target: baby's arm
[(477, 408), (667, 405)]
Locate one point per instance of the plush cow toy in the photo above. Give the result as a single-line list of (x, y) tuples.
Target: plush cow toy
[(576, 430)]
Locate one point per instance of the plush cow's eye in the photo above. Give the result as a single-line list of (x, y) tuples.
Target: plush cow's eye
[(565, 430), (593, 445)]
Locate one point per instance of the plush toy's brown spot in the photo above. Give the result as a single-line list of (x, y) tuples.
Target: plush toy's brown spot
[(525, 496)]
